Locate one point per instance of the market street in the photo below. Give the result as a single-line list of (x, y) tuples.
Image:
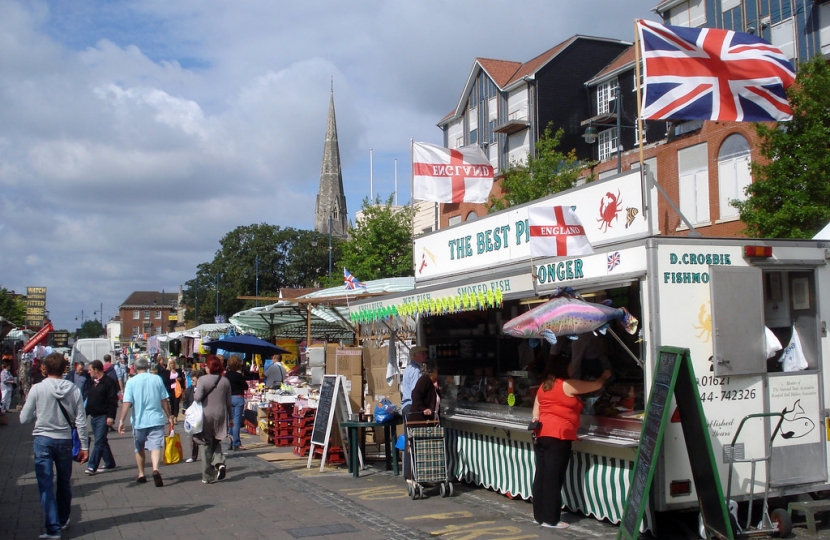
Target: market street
[(280, 499)]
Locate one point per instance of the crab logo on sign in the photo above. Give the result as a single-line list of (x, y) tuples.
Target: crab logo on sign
[(610, 207)]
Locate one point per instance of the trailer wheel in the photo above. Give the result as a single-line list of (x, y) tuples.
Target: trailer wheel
[(782, 522), (449, 486), (409, 489), (420, 491), (413, 492), (443, 489)]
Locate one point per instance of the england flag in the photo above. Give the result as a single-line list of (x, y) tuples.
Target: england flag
[(451, 175), (555, 231)]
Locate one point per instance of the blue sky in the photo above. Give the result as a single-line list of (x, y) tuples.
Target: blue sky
[(135, 134)]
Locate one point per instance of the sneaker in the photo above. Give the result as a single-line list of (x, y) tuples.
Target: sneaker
[(560, 525), (221, 471), (103, 468), (189, 460), (47, 535), (65, 525), (90, 472)]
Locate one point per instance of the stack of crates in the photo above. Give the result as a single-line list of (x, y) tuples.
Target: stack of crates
[(303, 426), (283, 423), (336, 454)]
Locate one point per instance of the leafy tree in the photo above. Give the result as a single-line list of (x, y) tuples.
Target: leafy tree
[(13, 308), (90, 329), (380, 245), (286, 256), (790, 194), (547, 171)]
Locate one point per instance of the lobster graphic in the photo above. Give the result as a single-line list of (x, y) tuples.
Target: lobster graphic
[(610, 207)]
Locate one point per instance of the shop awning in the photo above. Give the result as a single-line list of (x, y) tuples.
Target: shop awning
[(211, 330)]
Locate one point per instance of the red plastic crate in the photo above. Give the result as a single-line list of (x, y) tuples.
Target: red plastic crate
[(301, 451), (283, 432), (283, 441), (302, 441), (303, 431), (308, 421), (335, 454)]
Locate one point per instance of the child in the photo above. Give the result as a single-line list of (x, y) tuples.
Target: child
[(188, 401)]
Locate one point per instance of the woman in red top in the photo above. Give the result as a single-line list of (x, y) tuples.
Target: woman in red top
[(557, 409)]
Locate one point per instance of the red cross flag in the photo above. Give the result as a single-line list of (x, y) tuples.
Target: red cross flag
[(555, 231), (451, 176)]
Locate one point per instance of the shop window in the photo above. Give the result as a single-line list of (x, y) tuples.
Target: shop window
[(608, 143), (733, 174), (692, 165)]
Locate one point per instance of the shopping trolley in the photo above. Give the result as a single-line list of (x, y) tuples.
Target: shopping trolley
[(428, 457)]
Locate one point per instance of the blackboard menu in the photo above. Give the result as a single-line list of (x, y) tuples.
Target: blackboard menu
[(325, 410), (651, 438)]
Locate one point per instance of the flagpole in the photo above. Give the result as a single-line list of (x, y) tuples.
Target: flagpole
[(644, 188)]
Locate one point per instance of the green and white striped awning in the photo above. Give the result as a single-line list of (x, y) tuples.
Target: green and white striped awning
[(595, 485)]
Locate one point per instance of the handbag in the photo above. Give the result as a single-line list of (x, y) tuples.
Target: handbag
[(178, 390), (172, 448), (76, 440), (194, 416)]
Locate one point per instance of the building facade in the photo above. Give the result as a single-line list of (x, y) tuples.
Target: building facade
[(147, 313)]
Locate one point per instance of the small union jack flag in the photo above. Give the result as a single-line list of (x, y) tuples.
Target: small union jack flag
[(712, 74), (352, 282), (613, 260)]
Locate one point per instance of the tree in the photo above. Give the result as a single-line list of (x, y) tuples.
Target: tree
[(12, 308), (286, 257), (547, 171), (90, 329), (380, 245), (790, 194)]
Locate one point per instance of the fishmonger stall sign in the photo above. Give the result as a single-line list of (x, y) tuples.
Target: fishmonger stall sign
[(609, 211)]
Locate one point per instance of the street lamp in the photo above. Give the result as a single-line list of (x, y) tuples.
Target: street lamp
[(330, 222), (591, 134), (100, 313), (218, 275), (256, 290), (83, 319)]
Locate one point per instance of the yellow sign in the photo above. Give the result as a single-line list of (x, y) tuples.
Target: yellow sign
[(289, 360)]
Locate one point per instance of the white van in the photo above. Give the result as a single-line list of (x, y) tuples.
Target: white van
[(88, 349)]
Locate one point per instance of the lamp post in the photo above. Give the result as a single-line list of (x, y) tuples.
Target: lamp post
[(196, 307), (256, 286), (330, 222), (591, 134), (100, 313), (218, 275)]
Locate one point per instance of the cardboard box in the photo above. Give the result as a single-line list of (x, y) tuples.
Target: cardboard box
[(263, 435), (377, 383), (261, 413), (375, 358), (349, 362), (355, 392)]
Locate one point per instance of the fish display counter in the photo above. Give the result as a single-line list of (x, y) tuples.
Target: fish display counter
[(489, 380)]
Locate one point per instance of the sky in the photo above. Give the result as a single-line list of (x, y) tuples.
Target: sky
[(135, 134)]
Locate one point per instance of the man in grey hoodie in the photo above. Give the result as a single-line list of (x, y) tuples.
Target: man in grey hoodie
[(53, 440)]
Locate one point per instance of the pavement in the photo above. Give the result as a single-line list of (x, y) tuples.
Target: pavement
[(269, 493)]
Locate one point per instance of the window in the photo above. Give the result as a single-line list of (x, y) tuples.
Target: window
[(136, 330), (455, 220), (136, 314), (824, 27), (474, 136), (608, 143), (692, 166), (472, 216), (726, 5), (459, 142), (158, 314), (605, 93), (783, 37), (733, 174), (691, 14), (147, 315)]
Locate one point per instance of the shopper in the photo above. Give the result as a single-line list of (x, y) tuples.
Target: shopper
[(426, 399), (188, 401), (275, 374), (557, 409), (147, 397), (175, 387), (101, 407), (80, 377), (46, 404), (238, 387), (411, 375), (214, 393), (6, 386)]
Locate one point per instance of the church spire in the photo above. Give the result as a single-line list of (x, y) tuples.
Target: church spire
[(331, 202)]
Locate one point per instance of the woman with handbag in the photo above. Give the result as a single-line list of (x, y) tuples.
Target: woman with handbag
[(556, 409), (175, 388), (213, 392)]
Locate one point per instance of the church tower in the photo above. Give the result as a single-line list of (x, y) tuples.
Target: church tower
[(331, 202)]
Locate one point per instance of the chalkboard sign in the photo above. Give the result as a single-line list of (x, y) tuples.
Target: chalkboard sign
[(674, 375), (332, 403)]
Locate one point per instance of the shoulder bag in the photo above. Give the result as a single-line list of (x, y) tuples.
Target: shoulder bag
[(76, 440), (194, 416)]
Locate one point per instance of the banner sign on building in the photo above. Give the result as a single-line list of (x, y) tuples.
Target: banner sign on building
[(610, 211), (35, 306)]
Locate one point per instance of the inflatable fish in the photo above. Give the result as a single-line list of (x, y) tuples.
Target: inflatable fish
[(566, 316)]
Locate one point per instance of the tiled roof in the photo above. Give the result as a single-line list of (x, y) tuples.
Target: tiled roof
[(626, 57), (146, 298), (501, 71)]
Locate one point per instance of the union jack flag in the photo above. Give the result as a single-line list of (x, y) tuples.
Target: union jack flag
[(613, 260), (711, 74), (352, 282)]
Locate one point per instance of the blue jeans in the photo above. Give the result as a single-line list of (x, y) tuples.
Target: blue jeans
[(237, 405), (55, 502), (101, 450)]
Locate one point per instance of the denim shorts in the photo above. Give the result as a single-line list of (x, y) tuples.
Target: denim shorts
[(151, 438)]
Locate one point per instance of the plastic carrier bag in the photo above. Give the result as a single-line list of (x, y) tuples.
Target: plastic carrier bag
[(384, 411), (194, 418)]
